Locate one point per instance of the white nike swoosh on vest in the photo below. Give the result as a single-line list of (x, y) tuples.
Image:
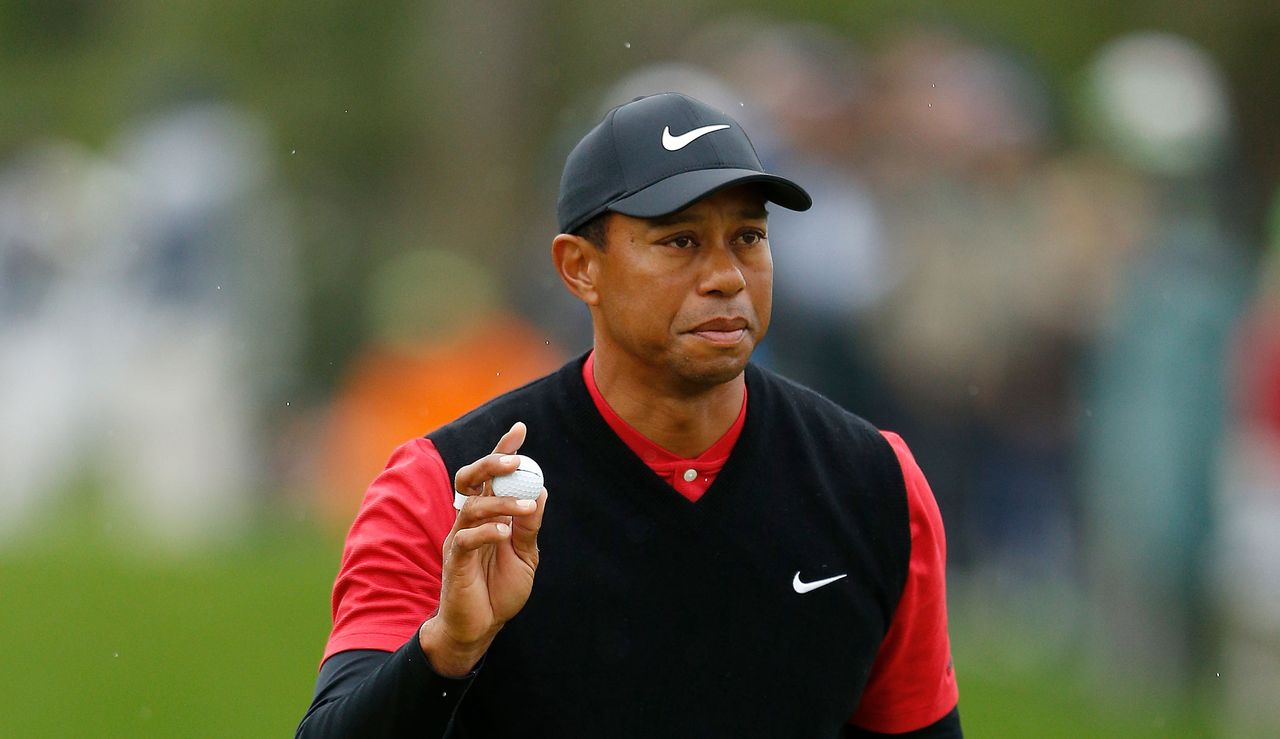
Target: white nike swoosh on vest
[(804, 587), (676, 143)]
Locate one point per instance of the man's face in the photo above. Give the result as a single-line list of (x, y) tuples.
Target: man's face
[(688, 294)]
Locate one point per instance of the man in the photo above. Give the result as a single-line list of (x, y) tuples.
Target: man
[(704, 569)]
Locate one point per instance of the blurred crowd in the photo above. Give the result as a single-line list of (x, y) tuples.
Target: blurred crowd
[(1055, 303), (147, 321)]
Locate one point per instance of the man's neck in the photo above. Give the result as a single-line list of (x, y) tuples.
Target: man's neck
[(685, 421)]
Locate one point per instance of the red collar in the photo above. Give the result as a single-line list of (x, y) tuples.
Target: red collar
[(666, 464)]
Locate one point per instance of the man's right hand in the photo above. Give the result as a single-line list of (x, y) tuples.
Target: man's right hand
[(490, 558)]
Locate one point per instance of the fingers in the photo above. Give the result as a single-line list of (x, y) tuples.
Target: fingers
[(525, 528), (481, 509), (471, 479), (487, 519), (491, 519), (469, 540)]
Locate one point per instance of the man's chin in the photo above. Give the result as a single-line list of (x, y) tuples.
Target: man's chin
[(708, 370)]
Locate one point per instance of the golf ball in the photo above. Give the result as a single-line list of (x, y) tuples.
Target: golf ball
[(525, 482)]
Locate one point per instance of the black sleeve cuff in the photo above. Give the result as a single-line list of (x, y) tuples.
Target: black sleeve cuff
[(429, 686), (373, 694), (947, 727)]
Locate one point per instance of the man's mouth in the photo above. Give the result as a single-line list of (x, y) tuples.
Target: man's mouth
[(724, 331)]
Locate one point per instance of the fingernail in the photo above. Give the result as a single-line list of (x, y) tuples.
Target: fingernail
[(527, 505), (504, 529), (509, 459)]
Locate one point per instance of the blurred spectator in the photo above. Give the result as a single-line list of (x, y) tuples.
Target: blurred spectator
[(153, 315), (1248, 548), (441, 345), (977, 339), (1156, 394), (59, 205)]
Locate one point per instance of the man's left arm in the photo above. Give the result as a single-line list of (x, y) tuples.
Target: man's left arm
[(912, 688)]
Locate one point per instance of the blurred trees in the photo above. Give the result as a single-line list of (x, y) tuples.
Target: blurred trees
[(404, 124)]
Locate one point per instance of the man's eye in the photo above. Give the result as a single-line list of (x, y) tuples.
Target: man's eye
[(751, 237), (681, 242)]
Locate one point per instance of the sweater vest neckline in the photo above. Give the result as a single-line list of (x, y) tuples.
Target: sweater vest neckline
[(594, 433)]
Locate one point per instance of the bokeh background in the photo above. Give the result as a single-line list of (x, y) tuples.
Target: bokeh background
[(246, 248)]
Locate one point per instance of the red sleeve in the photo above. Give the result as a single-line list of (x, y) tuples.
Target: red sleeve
[(912, 682), (389, 581)]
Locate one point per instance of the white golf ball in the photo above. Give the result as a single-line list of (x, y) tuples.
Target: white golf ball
[(525, 482)]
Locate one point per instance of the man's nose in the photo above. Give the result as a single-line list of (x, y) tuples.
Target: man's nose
[(722, 274)]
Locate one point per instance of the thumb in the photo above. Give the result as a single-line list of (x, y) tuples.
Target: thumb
[(512, 440)]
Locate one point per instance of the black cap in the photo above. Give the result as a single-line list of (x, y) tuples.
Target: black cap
[(658, 154)]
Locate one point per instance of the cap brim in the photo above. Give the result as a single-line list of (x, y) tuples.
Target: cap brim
[(679, 191)]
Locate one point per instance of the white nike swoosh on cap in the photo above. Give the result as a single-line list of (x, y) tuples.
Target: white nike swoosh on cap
[(804, 587), (676, 143)]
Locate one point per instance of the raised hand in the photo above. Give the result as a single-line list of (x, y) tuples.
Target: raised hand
[(490, 558)]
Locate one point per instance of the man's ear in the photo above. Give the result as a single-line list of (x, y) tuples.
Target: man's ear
[(575, 260)]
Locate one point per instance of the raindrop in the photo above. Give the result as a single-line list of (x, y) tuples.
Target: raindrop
[(115, 654), (295, 151), (219, 287), (626, 44), (287, 403)]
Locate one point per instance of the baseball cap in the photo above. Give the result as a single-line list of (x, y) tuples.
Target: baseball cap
[(657, 155)]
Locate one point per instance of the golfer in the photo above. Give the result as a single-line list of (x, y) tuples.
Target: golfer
[(722, 553)]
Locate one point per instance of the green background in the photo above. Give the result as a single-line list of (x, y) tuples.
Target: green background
[(107, 643), (97, 639)]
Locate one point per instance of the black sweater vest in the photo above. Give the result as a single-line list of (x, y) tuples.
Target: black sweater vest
[(654, 616)]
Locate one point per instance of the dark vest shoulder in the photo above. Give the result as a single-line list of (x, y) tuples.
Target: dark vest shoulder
[(815, 410), (489, 420)]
